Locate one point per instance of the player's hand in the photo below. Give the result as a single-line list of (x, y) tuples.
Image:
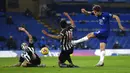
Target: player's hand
[(65, 13), (44, 32), (122, 28), (21, 29), (83, 10)]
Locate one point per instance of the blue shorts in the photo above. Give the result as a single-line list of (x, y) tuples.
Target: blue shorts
[(102, 35)]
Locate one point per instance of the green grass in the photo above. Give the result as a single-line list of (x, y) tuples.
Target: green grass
[(115, 64)]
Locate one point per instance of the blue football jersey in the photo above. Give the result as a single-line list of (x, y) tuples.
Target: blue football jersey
[(104, 22)]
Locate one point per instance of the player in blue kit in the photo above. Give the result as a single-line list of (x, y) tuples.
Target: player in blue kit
[(103, 33)]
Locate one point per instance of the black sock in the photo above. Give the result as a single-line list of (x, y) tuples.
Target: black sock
[(69, 59), (62, 57)]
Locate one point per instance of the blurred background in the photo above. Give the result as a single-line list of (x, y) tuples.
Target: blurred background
[(35, 15)]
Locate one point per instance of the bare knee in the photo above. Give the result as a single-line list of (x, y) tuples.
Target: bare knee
[(24, 65)]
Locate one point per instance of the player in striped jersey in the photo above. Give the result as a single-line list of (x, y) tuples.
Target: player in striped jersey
[(65, 37), (28, 58)]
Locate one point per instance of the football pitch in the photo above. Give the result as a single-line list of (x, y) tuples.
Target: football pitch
[(113, 64)]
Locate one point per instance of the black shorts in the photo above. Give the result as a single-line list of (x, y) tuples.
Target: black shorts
[(34, 62), (70, 51)]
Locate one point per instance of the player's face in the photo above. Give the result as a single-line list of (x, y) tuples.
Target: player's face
[(96, 13)]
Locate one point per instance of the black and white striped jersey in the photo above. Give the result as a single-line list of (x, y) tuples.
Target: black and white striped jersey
[(29, 54), (67, 35)]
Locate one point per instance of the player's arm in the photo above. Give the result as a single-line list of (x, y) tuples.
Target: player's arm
[(50, 35), (28, 34), (71, 20), (119, 22), (86, 12)]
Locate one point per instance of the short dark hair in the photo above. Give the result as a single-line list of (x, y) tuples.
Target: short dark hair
[(63, 23), (97, 8)]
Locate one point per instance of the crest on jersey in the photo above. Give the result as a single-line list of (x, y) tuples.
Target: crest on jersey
[(110, 14), (103, 18)]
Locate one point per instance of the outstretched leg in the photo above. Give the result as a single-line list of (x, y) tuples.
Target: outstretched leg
[(90, 35)]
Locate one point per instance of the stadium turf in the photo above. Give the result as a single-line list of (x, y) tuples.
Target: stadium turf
[(114, 64)]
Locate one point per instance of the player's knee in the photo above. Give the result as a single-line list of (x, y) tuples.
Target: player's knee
[(102, 48), (24, 65)]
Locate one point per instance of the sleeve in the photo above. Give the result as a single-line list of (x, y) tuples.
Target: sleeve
[(61, 33)]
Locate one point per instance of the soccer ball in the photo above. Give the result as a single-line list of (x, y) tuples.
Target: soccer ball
[(44, 51)]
